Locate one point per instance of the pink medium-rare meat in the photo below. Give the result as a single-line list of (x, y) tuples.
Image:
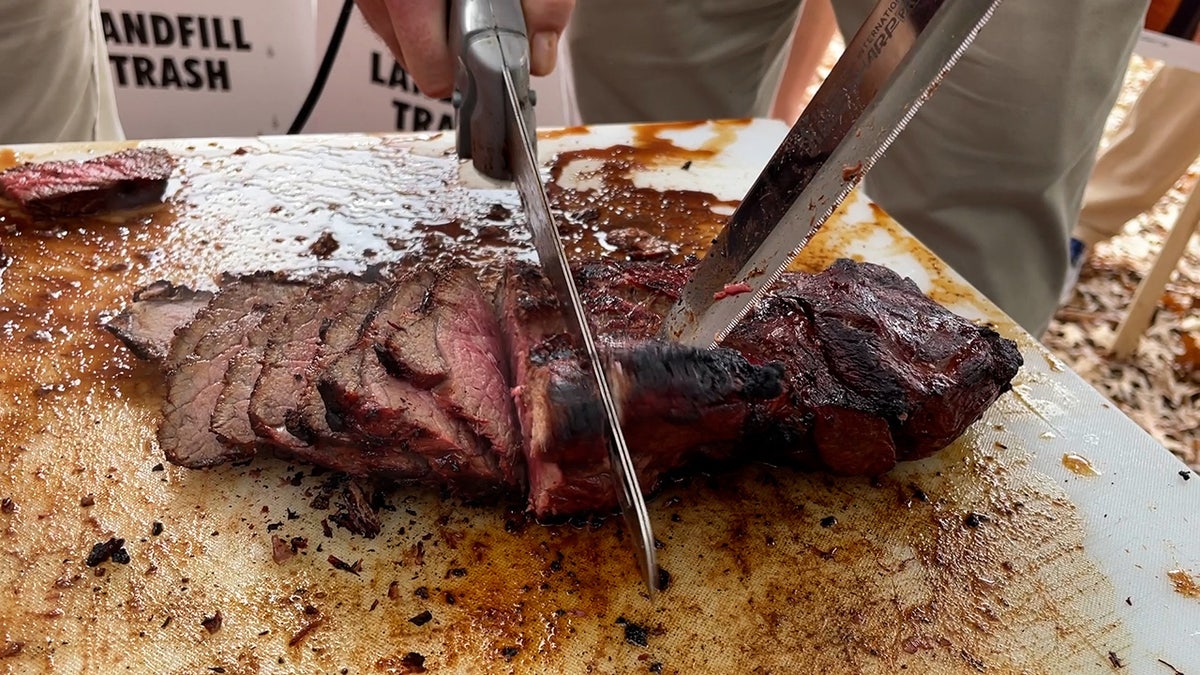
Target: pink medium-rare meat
[(121, 180)]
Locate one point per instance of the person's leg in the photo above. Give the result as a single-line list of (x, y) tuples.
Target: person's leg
[(990, 173), (1156, 143), (669, 60), (55, 73)]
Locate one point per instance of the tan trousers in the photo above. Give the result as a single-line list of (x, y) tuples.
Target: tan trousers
[(990, 174), (55, 74), (1156, 143)]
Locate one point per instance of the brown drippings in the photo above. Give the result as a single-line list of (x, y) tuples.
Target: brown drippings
[(1079, 465), (8, 158), (687, 217), (1185, 584), (551, 134)]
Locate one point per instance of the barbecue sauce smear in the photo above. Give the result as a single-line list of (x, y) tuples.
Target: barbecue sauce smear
[(965, 562)]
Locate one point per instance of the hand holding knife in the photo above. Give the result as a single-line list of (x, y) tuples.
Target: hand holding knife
[(889, 68), (496, 130)]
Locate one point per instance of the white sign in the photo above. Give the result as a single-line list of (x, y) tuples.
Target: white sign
[(367, 91), (211, 68), (1171, 50)]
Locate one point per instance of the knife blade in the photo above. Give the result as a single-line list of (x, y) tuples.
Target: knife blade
[(489, 38), (886, 72), (554, 264)]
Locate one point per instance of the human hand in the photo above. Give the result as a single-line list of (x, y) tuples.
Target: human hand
[(415, 33)]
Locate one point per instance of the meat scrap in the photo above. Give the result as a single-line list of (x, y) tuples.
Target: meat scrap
[(122, 180), (730, 290), (639, 244), (419, 376)]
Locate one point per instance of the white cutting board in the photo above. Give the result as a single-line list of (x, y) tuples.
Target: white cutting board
[(1042, 587)]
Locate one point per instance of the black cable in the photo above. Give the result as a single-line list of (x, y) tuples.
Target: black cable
[(318, 85)]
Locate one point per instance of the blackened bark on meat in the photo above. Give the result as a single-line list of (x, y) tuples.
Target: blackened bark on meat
[(355, 512), (127, 179), (147, 326), (638, 244), (679, 405), (876, 371)]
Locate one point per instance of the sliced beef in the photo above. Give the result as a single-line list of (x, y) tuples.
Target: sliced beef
[(679, 405), (231, 415), (122, 180), (288, 357), (443, 336), (414, 379), (389, 411), (876, 370), (196, 367), (330, 441), (148, 325)]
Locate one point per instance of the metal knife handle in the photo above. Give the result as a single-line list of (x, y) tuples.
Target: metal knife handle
[(888, 69), (485, 35)]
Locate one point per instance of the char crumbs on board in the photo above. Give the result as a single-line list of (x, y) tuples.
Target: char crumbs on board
[(1159, 385)]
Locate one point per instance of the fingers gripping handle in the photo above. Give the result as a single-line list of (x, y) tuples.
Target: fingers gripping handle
[(487, 36)]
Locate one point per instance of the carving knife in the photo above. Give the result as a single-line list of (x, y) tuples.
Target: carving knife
[(888, 69), (494, 106)]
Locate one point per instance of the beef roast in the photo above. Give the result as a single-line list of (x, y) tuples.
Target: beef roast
[(121, 180), (419, 378)]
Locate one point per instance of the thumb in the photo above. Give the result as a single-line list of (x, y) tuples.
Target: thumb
[(545, 21)]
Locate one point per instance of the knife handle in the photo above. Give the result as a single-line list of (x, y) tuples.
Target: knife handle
[(487, 36)]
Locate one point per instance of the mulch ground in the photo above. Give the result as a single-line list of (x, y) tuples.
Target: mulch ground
[(1159, 385)]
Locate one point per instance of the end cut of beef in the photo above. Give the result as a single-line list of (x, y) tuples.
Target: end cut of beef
[(679, 406), (122, 180), (147, 326), (876, 371)]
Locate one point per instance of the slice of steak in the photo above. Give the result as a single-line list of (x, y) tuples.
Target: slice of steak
[(442, 335), (237, 296), (121, 180), (148, 324), (679, 405), (876, 371), (390, 412), (195, 379), (231, 416)]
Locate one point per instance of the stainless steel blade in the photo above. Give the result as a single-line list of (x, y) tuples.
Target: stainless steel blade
[(554, 264), (890, 67)]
